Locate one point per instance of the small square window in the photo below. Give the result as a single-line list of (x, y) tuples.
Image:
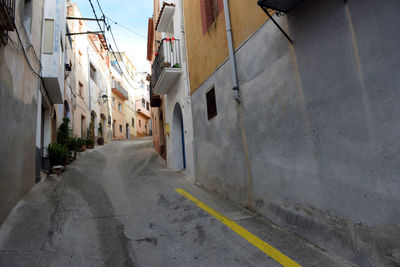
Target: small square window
[(81, 89), (211, 104), (93, 73)]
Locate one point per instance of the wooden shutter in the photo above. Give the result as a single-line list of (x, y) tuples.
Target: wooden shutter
[(209, 11), (150, 39)]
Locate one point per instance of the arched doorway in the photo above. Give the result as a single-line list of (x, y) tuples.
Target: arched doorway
[(178, 138), (103, 123)]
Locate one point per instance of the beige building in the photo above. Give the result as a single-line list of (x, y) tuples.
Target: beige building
[(19, 99), (81, 114), (31, 85), (91, 85), (118, 97)]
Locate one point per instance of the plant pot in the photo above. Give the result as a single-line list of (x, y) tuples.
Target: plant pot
[(56, 162), (100, 141), (90, 147), (83, 147)]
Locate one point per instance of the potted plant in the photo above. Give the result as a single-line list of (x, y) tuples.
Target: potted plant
[(74, 146), (58, 154), (166, 64), (89, 143), (82, 144), (176, 65), (100, 139), (64, 132)]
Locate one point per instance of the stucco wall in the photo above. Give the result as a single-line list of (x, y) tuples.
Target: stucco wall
[(19, 89), (119, 117), (320, 124), (141, 122), (178, 95), (207, 51)]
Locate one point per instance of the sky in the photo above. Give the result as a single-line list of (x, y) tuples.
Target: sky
[(132, 14)]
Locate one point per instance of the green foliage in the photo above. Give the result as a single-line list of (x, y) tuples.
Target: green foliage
[(73, 144), (89, 142), (58, 154), (81, 141), (64, 132)]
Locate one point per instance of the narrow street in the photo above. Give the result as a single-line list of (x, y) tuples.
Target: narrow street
[(116, 205)]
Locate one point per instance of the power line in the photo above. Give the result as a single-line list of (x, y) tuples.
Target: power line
[(126, 28), (24, 52), (109, 29), (95, 15)]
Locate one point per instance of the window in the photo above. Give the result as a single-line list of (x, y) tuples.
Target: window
[(80, 89), (133, 122), (209, 12), (92, 73), (120, 128), (28, 16), (48, 36), (113, 102), (147, 105), (143, 103), (211, 104), (119, 107), (140, 123)]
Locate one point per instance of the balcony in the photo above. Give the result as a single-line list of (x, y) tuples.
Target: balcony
[(7, 14), (166, 67), (165, 18), (155, 101), (119, 90)]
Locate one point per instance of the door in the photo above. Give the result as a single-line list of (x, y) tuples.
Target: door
[(178, 139)]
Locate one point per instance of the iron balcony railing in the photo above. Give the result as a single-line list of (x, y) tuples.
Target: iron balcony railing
[(7, 14), (116, 85), (167, 56)]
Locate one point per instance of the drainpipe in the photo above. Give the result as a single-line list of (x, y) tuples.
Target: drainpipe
[(231, 52)]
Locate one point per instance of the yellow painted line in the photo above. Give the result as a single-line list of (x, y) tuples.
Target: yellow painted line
[(257, 242)]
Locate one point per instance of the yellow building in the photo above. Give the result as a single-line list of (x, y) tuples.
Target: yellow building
[(118, 97), (206, 40)]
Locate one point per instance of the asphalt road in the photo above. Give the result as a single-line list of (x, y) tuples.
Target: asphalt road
[(116, 205)]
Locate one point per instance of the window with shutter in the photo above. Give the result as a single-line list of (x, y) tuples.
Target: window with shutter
[(209, 12)]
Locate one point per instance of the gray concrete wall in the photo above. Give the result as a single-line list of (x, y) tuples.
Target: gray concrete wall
[(321, 124), (19, 89)]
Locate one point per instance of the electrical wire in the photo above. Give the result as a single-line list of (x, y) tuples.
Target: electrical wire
[(109, 29), (126, 28), (24, 52)]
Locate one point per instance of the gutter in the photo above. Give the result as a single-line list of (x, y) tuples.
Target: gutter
[(231, 52)]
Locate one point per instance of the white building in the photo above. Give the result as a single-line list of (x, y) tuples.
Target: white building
[(170, 78), (49, 114)]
